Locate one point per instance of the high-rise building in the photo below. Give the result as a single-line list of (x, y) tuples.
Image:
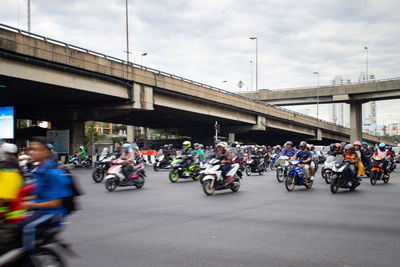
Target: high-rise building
[(338, 111)]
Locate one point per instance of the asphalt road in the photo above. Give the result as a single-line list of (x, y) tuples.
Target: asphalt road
[(165, 224)]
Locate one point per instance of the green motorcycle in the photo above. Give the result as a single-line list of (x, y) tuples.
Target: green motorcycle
[(180, 171)]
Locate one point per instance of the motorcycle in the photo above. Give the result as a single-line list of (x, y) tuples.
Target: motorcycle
[(326, 170), (296, 176), (377, 171), (273, 160), (281, 171), (252, 167), (338, 179), (162, 162), (179, 171), (115, 177), (102, 166), (213, 179), (46, 253), (86, 162)]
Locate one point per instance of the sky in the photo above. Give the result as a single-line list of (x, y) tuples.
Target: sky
[(208, 40)]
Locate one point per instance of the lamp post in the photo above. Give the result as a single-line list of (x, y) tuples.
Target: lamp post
[(141, 58), (29, 15), (255, 38), (317, 73), (127, 34), (366, 73), (251, 74)]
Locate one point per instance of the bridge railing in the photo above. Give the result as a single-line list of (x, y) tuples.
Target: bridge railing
[(78, 48), (332, 85)]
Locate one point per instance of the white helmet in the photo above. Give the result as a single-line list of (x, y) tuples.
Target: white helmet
[(223, 144), (9, 148), (237, 146), (81, 147)]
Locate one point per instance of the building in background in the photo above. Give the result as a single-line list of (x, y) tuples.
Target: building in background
[(339, 112)]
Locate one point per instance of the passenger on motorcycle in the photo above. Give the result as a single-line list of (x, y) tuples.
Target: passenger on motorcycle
[(332, 150), (289, 150), (383, 152), (128, 157), (352, 158), (118, 149), (361, 156), (239, 153), (368, 153), (52, 186), (305, 157), (214, 151), (226, 160)]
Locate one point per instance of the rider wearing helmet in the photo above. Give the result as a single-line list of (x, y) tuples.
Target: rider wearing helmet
[(332, 150), (352, 158), (383, 152), (81, 154), (289, 150), (128, 157), (305, 157), (226, 160), (368, 153), (361, 156), (198, 152), (187, 151)]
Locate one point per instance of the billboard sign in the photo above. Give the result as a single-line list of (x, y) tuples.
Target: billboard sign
[(59, 139), (6, 122)]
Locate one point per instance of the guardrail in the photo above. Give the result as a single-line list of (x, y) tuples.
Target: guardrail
[(78, 48), (332, 85)]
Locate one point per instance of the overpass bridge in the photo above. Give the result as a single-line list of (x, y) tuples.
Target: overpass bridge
[(46, 79), (354, 94)]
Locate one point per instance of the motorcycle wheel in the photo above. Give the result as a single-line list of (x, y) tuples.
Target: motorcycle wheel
[(208, 190), (328, 178), (248, 170), (140, 185), (173, 176), (323, 173), (374, 177), (156, 168), (88, 164), (386, 180), (271, 166), (260, 172), (236, 187), (280, 176), (334, 186), (309, 185), (266, 165), (201, 178), (290, 183), (98, 175), (111, 184), (196, 176), (47, 257)]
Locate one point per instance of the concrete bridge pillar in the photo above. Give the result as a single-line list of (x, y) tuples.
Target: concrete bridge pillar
[(355, 121), (231, 138), (76, 133)]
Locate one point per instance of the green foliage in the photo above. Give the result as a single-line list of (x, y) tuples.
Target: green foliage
[(91, 135)]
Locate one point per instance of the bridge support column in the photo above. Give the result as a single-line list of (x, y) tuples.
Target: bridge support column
[(130, 133), (355, 121), (231, 138)]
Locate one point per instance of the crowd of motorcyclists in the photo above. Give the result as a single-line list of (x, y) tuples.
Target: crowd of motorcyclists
[(42, 202)]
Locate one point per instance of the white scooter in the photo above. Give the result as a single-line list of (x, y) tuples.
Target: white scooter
[(213, 179), (326, 170), (115, 177)]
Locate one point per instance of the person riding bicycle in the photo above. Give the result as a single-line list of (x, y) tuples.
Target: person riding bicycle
[(305, 157), (226, 160)]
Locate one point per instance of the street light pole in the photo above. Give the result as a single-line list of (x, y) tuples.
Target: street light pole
[(251, 75), (141, 58), (255, 38), (366, 73), (317, 72), (127, 32), (29, 15)]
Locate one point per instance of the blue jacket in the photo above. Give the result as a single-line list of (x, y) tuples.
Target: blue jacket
[(52, 184), (290, 153)]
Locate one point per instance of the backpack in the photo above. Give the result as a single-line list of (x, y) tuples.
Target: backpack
[(70, 203)]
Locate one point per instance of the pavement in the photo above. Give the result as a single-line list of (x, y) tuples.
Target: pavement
[(166, 224)]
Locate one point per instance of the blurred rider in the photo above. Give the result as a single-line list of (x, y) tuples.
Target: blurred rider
[(305, 157), (128, 158)]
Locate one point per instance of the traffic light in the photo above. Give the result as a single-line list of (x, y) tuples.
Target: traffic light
[(217, 127)]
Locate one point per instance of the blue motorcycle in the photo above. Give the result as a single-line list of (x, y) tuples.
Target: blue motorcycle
[(86, 162), (295, 176)]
